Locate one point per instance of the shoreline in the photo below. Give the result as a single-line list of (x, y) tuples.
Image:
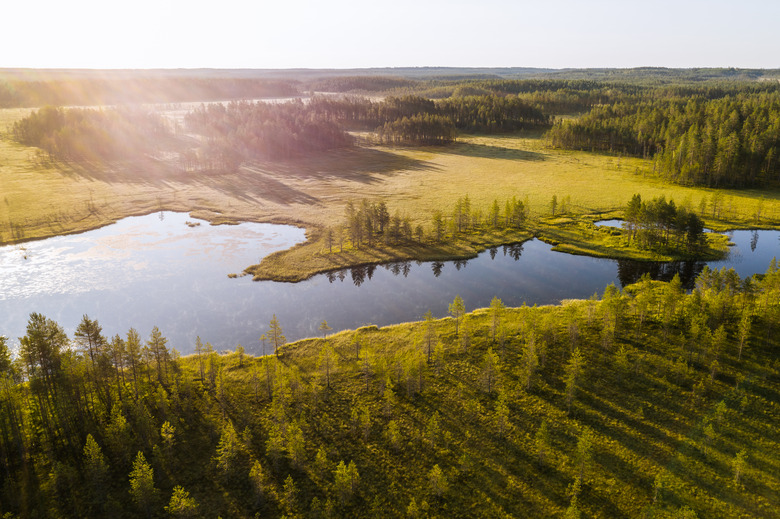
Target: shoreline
[(307, 259)]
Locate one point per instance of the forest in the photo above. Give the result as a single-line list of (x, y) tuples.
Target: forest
[(229, 134), (649, 402), (715, 134), (725, 142), (658, 399), (87, 135), (134, 88)]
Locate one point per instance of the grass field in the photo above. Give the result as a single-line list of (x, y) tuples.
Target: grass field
[(41, 199)]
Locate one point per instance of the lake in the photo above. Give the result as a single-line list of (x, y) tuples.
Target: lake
[(157, 270)]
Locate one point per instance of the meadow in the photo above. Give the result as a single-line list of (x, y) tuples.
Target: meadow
[(42, 198)]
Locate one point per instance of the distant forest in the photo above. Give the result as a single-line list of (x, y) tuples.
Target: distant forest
[(90, 92), (713, 127), (232, 133)]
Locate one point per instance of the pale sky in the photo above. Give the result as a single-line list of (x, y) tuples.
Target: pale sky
[(395, 33)]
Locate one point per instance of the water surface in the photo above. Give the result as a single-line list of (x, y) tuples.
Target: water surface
[(157, 270)]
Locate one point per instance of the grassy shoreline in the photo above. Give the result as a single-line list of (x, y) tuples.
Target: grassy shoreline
[(40, 199), (569, 235)]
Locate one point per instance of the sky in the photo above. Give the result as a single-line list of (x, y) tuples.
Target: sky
[(397, 33)]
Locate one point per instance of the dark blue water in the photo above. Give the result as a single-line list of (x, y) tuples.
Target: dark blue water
[(156, 270)]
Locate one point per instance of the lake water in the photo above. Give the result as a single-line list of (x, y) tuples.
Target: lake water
[(157, 270)]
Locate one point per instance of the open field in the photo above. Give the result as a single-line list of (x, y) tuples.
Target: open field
[(41, 199)]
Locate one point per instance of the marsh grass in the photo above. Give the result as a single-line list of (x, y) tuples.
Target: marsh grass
[(39, 198)]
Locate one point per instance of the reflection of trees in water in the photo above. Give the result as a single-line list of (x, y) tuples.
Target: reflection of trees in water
[(630, 271), (333, 275), (358, 275), (402, 267), (514, 250), (362, 273), (753, 240)]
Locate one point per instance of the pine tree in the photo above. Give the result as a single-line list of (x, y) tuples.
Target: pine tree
[(275, 335), (456, 309), (96, 469), (324, 328), (584, 453), (542, 441), (142, 487), (490, 371), (437, 482), (181, 504), (739, 464)]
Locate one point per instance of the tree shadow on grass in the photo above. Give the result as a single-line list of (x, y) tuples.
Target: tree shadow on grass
[(359, 164), (281, 182), (485, 151)]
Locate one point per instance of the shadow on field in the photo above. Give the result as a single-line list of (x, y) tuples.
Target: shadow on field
[(485, 151), (281, 182), (358, 164)]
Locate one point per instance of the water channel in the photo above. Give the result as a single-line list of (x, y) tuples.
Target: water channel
[(170, 270)]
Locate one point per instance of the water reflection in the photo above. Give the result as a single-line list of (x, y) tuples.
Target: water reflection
[(163, 272), (630, 271), (515, 250)]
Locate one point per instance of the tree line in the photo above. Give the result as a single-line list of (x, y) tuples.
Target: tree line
[(243, 130), (369, 223), (101, 91), (475, 113), (92, 135), (731, 141), (660, 223)]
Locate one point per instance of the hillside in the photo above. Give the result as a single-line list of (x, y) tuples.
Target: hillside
[(650, 402)]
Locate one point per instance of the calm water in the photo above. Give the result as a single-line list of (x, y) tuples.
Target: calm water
[(156, 270)]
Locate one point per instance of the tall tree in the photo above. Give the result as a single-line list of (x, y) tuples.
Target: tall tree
[(142, 487), (457, 308), (133, 356), (159, 351), (275, 335)]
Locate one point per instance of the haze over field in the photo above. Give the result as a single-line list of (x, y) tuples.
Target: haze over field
[(348, 34)]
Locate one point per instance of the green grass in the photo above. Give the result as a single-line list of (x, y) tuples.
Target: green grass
[(41, 199)]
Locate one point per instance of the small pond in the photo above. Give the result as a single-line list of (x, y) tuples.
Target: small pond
[(158, 270)]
